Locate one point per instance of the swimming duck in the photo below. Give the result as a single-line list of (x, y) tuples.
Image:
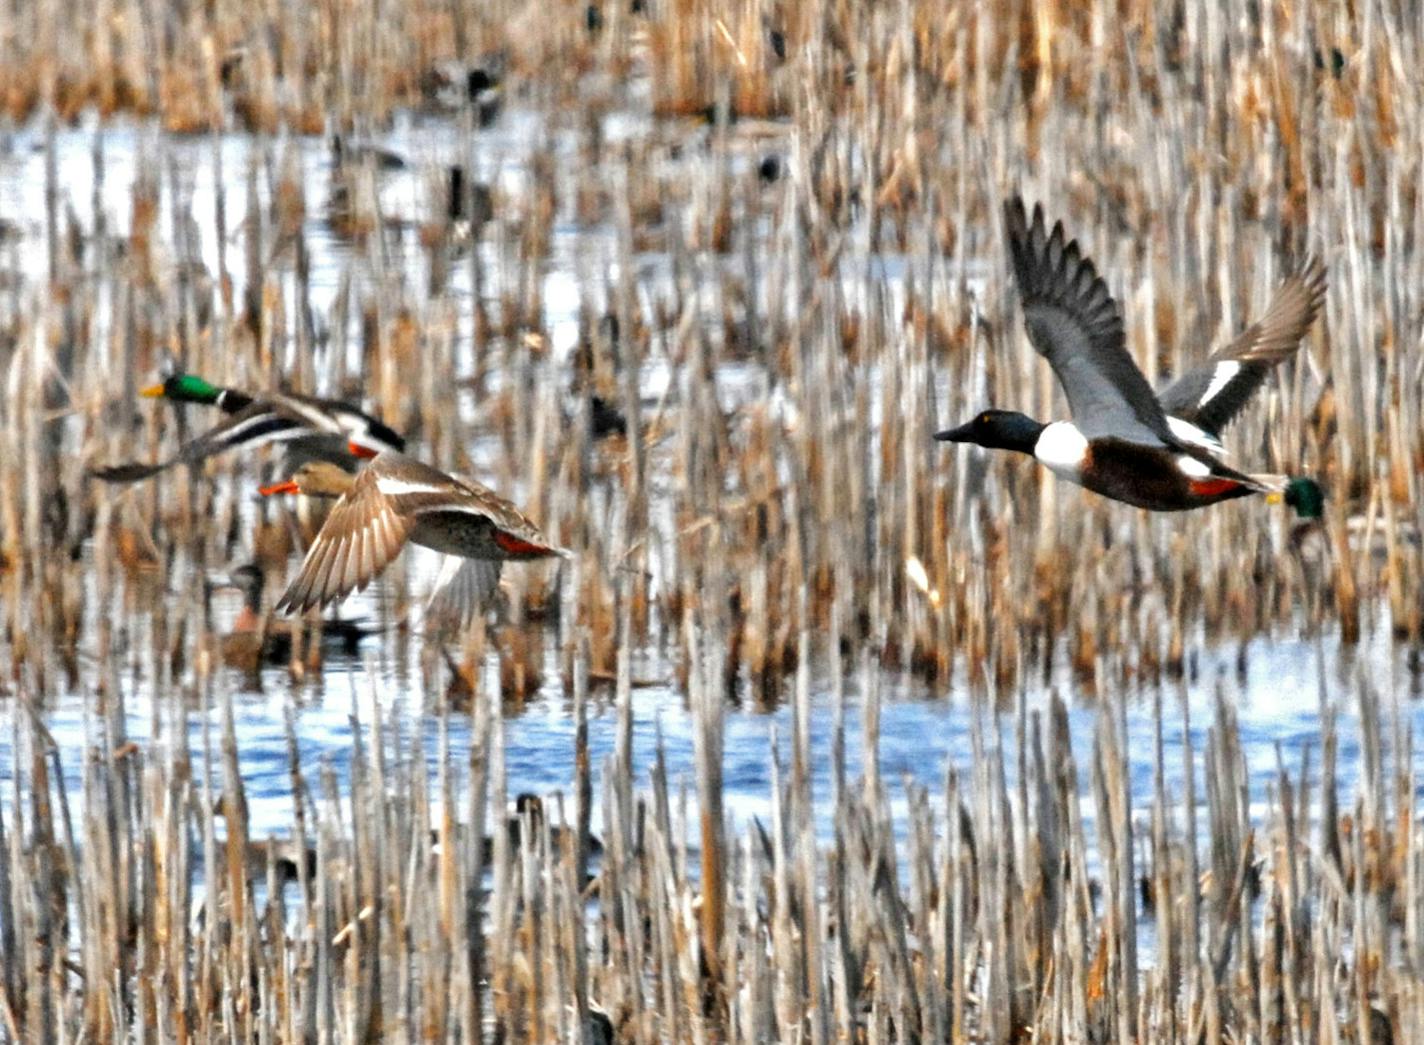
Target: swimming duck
[(1157, 451), (450, 85), (309, 426), (254, 641), (529, 812), (396, 499), (345, 153)]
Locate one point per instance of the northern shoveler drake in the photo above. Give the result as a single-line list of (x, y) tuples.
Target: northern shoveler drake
[(309, 427), (396, 499), (1160, 451)]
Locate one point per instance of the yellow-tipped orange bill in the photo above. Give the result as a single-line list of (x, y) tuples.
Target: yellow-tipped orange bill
[(290, 486), (152, 392)]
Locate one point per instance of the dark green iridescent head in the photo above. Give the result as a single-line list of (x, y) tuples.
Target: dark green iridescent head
[(184, 388), (1306, 497)]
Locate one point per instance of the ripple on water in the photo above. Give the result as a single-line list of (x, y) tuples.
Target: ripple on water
[(1276, 700)]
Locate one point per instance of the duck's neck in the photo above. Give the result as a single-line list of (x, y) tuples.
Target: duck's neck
[(230, 400), (1012, 431)]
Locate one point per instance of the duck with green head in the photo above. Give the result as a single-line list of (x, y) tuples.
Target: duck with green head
[(308, 426), (1305, 496), (190, 388)]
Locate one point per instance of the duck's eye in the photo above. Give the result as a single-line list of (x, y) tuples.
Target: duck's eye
[(983, 419)]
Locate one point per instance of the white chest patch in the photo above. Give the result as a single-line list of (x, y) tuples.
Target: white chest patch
[(1062, 448), (1192, 468), (1190, 433), (393, 486), (1225, 371)]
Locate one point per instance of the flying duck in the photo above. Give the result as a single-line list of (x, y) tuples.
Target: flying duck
[(1160, 451), (310, 427), (396, 499)]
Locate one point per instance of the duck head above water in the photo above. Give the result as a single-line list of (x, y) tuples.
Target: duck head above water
[(997, 430), (1305, 496)]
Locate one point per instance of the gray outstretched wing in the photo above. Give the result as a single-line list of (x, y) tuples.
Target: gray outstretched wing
[(1075, 324), (463, 590)]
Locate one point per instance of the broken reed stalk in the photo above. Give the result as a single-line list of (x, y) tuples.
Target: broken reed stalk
[(1011, 907), (865, 364), (783, 347)]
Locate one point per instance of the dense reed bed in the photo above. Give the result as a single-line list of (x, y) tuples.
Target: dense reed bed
[(767, 236), (821, 294), (1030, 897)]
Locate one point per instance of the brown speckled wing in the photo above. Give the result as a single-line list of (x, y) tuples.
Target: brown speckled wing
[(363, 533), (448, 495), (507, 519)]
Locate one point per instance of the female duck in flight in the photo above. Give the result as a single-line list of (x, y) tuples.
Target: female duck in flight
[(1154, 450)]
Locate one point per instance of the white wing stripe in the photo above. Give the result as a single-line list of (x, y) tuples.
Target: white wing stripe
[(1190, 433), (314, 416), (1225, 371), (1192, 468), (238, 432), (394, 486)]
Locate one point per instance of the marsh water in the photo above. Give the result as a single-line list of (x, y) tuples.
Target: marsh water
[(1276, 683)]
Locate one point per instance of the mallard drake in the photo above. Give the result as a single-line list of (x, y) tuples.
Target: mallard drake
[(1157, 451), (190, 388), (396, 499), (310, 427), (1375, 530), (1305, 496)]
